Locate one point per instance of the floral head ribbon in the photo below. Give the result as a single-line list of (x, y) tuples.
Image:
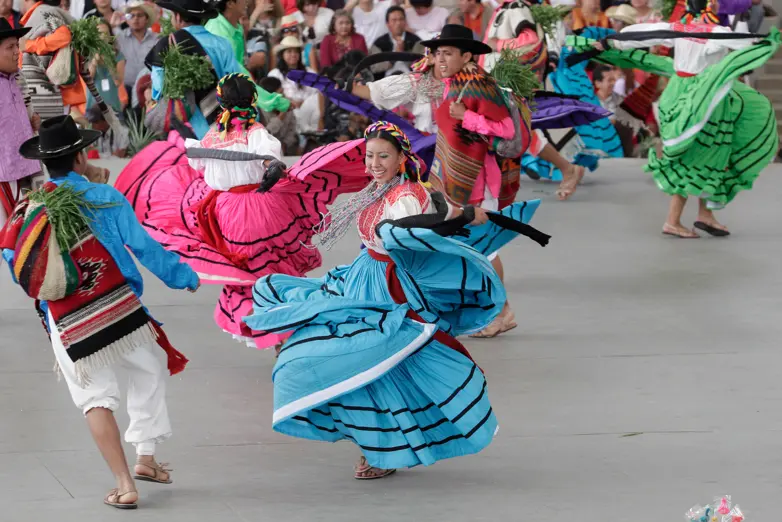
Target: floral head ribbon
[(243, 117), (411, 165)]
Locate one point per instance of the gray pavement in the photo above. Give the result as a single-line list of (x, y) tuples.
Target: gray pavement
[(643, 378)]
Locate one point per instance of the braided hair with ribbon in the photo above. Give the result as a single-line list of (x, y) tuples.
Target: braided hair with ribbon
[(336, 223), (237, 95), (411, 165)]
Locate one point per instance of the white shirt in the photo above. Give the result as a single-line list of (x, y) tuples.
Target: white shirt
[(691, 55), (393, 91), (321, 25), (223, 174), (425, 27), (372, 25)]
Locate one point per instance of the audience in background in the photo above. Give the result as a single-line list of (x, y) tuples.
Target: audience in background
[(425, 19), (397, 39), (136, 40), (342, 38), (306, 102), (270, 38)]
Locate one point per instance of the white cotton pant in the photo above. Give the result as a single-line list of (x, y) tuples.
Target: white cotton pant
[(492, 204), (149, 422)]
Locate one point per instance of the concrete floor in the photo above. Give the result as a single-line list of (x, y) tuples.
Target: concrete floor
[(644, 378)]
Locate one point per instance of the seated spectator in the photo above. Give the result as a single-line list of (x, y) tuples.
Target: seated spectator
[(7, 11), (398, 39), (621, 16), (104, 9), (424, 19), (589, 15), (137, 40), (603, 80), (306, 102), (264, 21), (317, 21), (342, 38), (369, 17), (281, 125), (476, 16), (644, 12)]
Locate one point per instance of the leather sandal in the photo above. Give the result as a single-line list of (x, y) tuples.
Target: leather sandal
[(364, 471), (160, 469), (114, 497)]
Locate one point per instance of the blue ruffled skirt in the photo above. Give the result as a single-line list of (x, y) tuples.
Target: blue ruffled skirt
[(358, 367), (599, 137)]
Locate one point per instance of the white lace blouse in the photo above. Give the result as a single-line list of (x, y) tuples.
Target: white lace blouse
[(223, 174)]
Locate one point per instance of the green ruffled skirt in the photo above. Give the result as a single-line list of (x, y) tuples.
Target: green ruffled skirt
[(718, 133)]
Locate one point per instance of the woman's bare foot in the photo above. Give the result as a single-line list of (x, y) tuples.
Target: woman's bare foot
[(504, 322), (150, 471), (680, 231), (570, 181), (364, 471), (124, 500)]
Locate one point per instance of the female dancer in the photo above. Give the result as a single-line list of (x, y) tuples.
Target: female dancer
[(718, 133), (231, 219), (373, 356)]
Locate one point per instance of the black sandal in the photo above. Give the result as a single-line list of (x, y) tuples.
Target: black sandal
[(713, 231)]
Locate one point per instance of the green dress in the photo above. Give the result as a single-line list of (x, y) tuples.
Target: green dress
[(718, 133)]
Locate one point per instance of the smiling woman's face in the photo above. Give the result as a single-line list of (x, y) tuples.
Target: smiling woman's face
[(382, 160)]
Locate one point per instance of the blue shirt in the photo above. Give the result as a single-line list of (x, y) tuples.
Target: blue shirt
[(221, 54), (118, 230)]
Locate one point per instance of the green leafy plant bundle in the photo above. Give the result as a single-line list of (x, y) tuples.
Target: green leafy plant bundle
[(509, 72), (89, 42), (183, 73)]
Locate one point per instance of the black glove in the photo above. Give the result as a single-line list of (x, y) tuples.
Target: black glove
[(274, 172)]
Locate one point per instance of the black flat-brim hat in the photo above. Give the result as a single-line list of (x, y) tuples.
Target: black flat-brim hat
[(58, 136), (460, 37), (194, 8), (6, 31)]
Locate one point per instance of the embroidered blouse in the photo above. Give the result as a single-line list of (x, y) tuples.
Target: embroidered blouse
[(407, 199), (223, 174)]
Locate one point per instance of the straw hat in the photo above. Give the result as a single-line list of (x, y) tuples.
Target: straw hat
[(289, 42), (139, 5), (624, 13)]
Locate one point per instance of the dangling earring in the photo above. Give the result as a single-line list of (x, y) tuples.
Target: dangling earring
[(402, 166)]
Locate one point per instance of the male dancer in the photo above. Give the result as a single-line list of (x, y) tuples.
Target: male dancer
[(91, 300), (471, 113)]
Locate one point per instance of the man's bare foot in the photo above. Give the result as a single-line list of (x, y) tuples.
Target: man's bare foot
[(124, 500), (150, 471), (570, 180), (679, 231)]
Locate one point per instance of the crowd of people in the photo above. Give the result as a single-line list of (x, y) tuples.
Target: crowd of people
[(269, 38), (431, 146)]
